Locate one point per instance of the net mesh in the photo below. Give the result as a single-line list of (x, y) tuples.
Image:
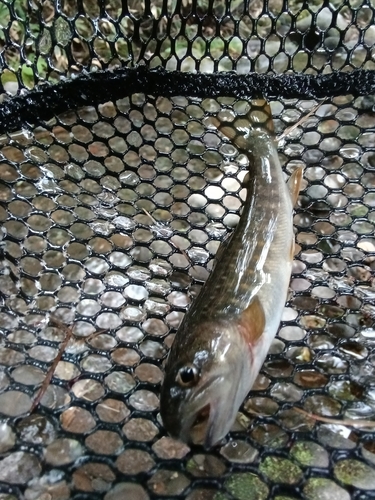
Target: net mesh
[(79, 248)]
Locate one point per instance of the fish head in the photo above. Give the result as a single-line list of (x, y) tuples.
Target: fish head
[(205, 383)]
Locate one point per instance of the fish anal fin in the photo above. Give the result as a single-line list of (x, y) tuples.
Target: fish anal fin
[(294, 184), (252, 322)]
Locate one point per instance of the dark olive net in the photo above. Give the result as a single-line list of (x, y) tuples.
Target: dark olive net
[(77, 246)]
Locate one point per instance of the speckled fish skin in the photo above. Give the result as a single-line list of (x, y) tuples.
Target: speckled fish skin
[(227, 332)]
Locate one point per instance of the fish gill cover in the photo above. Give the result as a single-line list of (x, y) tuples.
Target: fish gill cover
[(95, 133)]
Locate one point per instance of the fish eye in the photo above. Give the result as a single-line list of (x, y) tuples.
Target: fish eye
[(187, 375)]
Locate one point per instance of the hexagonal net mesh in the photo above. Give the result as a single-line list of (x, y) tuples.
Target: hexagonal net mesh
[(83, 264)]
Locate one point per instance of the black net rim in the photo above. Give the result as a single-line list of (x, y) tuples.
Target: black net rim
[(102, 86)]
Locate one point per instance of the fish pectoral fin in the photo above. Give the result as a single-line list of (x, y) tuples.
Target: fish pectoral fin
[(252, 321), (294, 184)]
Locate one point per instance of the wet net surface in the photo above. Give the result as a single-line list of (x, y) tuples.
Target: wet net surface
[(81, 257)]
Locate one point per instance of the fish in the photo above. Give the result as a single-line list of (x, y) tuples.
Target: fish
[(224, 337)]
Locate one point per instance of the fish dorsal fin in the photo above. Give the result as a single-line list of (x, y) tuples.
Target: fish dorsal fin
[(252, 321), (294, 184), (221, 250)]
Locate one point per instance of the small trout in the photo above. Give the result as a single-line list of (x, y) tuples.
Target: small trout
[(225, 336)]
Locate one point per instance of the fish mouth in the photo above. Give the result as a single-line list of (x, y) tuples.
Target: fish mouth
[(207, 417), (209, 423), (198, 431), (208, 411)]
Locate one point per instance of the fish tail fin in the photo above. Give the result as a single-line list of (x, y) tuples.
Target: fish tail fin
[(240, 127)]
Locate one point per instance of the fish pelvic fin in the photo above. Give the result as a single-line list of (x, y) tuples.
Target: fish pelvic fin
[(294, 184), (238, 128), (252, 322), (292, 251)]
